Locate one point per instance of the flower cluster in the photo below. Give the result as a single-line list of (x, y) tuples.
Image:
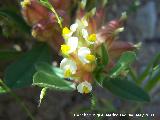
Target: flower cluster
[(79, 56), (83, 40)]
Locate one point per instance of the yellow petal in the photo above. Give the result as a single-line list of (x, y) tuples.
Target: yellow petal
[(67, 73), (92, 38), (65, 49), (25, 3), (65, 31), (90, 57), (85, 90)]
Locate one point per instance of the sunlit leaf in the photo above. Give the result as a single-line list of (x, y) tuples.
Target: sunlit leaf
[(45, 67), (52, 81), (2, 90), (42, 95)]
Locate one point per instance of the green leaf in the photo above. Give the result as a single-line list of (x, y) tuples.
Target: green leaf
[(9, 55), (123, 63), (99, 78), (45, 67), (154, 80), (90, 4), (105, 57), (47, 4), (148, 69), (52, 81), (19, 74), (133, 74), (126, 89), (156, 60), (15, 18), (2, 90), (42, 95)]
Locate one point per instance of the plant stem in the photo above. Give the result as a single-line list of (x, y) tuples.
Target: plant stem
[(17, 99), (57, 17)]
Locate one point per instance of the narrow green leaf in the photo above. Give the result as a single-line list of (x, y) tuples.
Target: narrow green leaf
[(144, 74), (42, 95), (133, 74), (148, 69), (156, 60), (19, 74), (17, 19), (126, 89), (123, 63), (153, 81), (47, 4), (90, 4), (52, 81), (45, 67)]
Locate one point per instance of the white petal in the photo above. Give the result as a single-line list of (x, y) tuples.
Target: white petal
[(84, 33), (68, 64), (73, 43), (74, 27), (73, 66), (84, 22), (63, 63), (86, 84), (80, 88), (82, 52)]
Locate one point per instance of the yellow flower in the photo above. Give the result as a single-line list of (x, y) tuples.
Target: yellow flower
[(65, 49), (90, 57), (69, 67), (85, 55), (92, 38), (66, 32), (70, 46), (84, 87), (25, 3)]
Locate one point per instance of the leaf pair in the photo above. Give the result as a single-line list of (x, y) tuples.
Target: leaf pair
[(120, 87)]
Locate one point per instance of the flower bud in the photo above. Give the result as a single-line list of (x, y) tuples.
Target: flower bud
[(108, 33), (34, 11)]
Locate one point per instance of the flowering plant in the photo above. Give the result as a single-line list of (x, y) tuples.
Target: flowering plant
[(92, 54)]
